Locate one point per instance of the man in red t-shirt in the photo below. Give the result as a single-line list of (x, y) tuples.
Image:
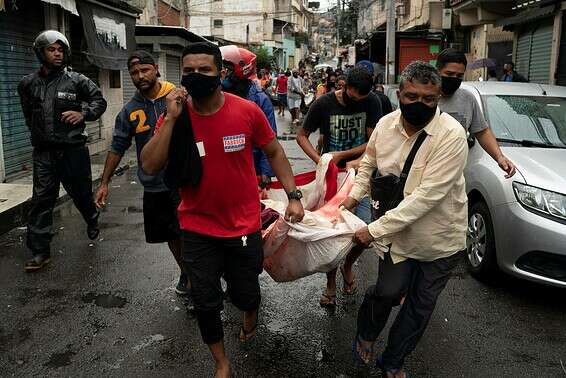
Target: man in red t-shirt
[(220, 216), (281, 89)]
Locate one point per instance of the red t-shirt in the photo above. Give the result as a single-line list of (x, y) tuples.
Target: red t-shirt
[(282, 84), (226, 202)]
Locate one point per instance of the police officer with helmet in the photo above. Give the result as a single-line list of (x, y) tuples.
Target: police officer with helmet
[(56, 103)]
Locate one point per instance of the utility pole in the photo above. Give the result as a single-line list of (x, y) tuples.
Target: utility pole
[(337, 28), (390, 44), (248, 36)]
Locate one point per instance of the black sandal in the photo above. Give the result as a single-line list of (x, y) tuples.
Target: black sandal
[(36, 263), (327, 300), (351, 285)]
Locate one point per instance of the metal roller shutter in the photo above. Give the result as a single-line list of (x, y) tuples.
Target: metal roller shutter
[(523, 54), (417, 49), (539, 71), (17, 59), (561, 69), (534, 47), (128, 87), (173, 65)]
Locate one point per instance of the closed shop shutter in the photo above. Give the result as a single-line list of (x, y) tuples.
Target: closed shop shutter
[(417, 49), (561, 69), (128, 88), (523, 54), (17, 59), (534, 46), (173, 69), (539, 71)]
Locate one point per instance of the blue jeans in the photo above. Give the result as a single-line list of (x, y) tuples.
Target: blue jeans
[(363, 210)]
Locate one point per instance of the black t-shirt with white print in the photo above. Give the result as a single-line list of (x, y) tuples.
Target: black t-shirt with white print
[(343, 127)]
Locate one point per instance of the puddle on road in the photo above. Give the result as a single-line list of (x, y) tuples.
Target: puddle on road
[(132, 209), (324, 356), (104, 300), (58, 360)]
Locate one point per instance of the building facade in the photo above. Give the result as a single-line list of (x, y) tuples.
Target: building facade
[(105, 19), (271, 24)]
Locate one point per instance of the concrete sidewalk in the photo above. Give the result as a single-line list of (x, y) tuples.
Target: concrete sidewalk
[(15, 195)]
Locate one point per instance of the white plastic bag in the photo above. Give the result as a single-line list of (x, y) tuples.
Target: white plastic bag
[(317, 244)]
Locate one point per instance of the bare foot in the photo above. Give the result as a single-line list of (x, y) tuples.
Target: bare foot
[(399, 374), (223, 370), (365, 350), (328, 298)]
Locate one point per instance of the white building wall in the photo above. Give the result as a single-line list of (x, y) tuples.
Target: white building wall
[(371, 15), (235, 28), (201, 25), (417, 13), (113, 97)]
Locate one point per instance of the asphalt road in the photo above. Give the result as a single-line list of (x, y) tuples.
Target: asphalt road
[(108, 309)]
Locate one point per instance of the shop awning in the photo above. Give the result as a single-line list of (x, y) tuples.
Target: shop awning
[(526, 16), (68, 5), (109, 34)]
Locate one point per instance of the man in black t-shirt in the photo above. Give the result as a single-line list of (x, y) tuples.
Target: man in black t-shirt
[(346, 119), (386, 106)]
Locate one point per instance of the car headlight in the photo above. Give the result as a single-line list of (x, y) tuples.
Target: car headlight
[(545, 201)]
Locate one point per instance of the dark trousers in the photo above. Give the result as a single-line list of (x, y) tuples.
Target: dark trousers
[(71, 167), (422, 283), (207, 259)]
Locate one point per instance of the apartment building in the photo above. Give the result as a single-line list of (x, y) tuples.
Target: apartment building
[(272, 24)]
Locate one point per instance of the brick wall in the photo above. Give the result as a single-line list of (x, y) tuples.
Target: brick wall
[(168, 15)]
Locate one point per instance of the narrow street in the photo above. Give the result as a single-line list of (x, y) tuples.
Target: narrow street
[(108, 309)]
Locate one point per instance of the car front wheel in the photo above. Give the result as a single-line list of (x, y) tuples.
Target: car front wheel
[(482, 260)]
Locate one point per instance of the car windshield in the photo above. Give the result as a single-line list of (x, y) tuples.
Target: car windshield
[(536, 120)]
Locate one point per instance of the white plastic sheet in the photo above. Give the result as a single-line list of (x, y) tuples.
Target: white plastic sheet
[(321, 241)]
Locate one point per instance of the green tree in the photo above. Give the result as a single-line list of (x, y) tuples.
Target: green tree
[(264, 58)]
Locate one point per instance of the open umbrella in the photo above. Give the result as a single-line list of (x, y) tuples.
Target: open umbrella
[(482, 63)]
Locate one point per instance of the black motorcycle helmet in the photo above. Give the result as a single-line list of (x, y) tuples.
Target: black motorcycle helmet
[(47, 38)]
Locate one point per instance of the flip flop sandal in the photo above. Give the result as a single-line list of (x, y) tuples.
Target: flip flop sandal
[(379, 364), (34, 265), (246, 336), (356, 355), (407, 375), (352, 284), (327, 300)]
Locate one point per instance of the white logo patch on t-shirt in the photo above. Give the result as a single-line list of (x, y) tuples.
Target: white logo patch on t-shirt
[(234, 143)]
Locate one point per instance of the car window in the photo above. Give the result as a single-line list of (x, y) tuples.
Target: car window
[(533, 118)]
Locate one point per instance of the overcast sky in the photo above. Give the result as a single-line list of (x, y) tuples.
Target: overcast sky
[(324, 4)]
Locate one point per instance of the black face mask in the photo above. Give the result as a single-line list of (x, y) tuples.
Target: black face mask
[(417, 114), (450, 85), (199, 85), (330, 85), (347, 99)]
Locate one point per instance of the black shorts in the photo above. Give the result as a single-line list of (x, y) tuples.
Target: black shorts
[(207, 259), (160, 216)]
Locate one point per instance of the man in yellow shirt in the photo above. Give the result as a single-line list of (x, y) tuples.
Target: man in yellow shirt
[(426, 230)]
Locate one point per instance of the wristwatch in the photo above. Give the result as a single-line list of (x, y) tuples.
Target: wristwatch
[(295, 195)]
